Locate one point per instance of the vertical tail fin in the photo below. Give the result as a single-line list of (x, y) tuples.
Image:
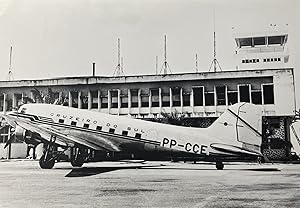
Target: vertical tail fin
[(240, 125)]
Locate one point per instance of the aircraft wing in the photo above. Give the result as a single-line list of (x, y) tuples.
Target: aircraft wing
[(46, 132)]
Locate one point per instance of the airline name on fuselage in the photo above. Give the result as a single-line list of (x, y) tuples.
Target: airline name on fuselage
[(87, 120)]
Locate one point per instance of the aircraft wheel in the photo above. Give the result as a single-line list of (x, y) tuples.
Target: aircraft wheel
[(219, 165), (77, 162), (46, 164)]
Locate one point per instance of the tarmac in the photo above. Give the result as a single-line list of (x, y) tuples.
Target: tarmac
[(149, 184)]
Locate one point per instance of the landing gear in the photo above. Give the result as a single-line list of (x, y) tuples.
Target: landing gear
[(47, 160), (219, 165), (77, 157)]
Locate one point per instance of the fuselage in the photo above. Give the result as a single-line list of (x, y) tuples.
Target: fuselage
[(127, 134)]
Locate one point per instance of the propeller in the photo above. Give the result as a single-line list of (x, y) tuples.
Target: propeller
[(6, 121), (11, 137)]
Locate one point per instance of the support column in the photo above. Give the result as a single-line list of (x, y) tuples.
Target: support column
[(181, 99), (108, 101), (90, 100), (119, 101), (171, 99), (139, 100), (150, 99), (192, 100), (70, 99), (129, 100), (4, 103), (99, 100), (14, 101), (60, 98), (160, 100), (79, 100), (32, 96), (226, 96)]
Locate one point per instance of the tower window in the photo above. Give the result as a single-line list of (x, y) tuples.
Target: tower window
[(112, 131)]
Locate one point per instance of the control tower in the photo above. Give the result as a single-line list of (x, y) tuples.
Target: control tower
[(261, 50)]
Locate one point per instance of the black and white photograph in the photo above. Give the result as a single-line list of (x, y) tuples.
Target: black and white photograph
[(149, 103)]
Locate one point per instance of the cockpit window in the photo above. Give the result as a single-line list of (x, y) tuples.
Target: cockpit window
[(23, 110)]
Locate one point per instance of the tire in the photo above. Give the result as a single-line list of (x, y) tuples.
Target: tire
[(77, 163), (46, 164)]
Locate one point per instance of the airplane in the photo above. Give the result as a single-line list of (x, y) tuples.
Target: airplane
[(94, 136)]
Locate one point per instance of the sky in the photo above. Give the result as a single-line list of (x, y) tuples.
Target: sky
[(58, 38)]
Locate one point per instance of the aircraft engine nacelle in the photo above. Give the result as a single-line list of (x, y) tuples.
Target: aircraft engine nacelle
[(20, 133), (27, 136)]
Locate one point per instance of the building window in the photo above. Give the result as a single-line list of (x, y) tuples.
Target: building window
[(114, 98), (61, 121), (166, 97), (221, 96), (74, 99), (94, 95), (243, 61), (84, 101), (124, 101), (138, 135), (186, 96), (104, 99), (256, 97), (244, 93), (209, 99), (268, 92), (99, 128), (154, 97), (257, 60), (232, 97), (124, 133), (279, 59), (198, 96), (265, 60), (176, 97), (112, 131), (73, 123), (268, 60), (134, 98), (145, 100)]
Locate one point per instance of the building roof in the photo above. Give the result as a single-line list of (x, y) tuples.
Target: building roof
[(87, 80)]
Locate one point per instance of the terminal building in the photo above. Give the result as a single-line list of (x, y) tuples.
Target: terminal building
[(197, 98)]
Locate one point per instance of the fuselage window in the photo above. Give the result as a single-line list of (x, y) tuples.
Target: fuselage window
[(138, 135), (99, 128), (73, 123), (86, 126), (61, 121), (112, 131), (124, 133)]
